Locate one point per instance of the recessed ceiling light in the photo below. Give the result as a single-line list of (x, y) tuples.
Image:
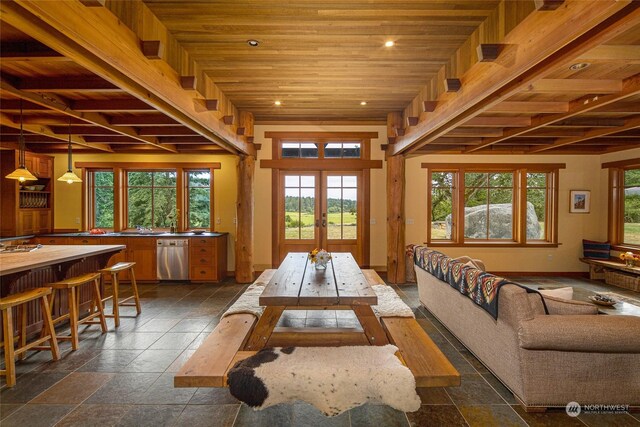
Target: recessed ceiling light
[(579, 66), (389, 43), (253, 43), (363, 103), (277, 103)]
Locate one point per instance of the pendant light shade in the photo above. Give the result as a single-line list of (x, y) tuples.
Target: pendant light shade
[(22, 174), (69, 176)]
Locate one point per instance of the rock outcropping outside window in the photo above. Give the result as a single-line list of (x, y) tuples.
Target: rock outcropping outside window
[(501, 222)]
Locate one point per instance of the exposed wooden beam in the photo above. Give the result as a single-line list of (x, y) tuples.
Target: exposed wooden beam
[(595, 133), (475, 132), (548, 4), (96, 40), (630, 87), (412, 120), (13, 105), (82, 130), (589, 123), (166, 131), (58, 104), (28, 52), (627, 54), (488, 52), (143, 120), (65, 84), (5, 120), (529, 107), (205, 104), (581, 86), (570, 31), (115, 105), (506, 122), (152, 49), (452, 85), (192, 139)]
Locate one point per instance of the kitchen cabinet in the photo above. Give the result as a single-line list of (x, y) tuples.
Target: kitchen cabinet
[(208, 258), (26, 211), (142, 251)]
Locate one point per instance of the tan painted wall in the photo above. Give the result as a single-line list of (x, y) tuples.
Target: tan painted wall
[(582, 172), (68, 197)]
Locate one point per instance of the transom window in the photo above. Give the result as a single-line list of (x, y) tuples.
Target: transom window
[(515, 205), (320, 149), (333, 150)]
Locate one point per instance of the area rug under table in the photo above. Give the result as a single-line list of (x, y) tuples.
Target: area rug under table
[(333, 379)]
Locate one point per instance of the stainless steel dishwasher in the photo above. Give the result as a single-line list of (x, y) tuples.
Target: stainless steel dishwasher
[(173, 259)]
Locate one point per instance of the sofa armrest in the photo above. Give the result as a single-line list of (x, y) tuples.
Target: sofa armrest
[(583, 333), (563, 306)]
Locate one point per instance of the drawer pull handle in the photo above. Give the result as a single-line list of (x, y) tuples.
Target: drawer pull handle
[(202, 272), (203, 260)]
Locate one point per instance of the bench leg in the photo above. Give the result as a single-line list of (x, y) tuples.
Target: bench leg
[(264, 328), (371, 325)]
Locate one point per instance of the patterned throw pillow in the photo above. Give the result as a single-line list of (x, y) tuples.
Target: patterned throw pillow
[(595, 250)]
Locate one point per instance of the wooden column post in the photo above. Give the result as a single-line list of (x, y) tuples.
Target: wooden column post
[(395, 219), (244, 212)]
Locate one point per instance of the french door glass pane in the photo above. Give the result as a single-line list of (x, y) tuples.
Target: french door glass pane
[(342, 207), (299, 207)]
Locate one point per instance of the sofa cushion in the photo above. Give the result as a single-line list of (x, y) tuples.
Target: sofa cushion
[(562, 293), (595, 250)]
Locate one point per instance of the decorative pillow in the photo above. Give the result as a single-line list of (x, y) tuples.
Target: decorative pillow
[(562, 293), (596, 250)]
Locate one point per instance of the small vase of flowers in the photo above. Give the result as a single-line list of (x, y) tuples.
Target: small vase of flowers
[(629, 258), (320, 258)]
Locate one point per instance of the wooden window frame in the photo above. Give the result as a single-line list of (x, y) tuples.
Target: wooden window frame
[(616, 203), (89, 179), (519, 234), (120, 170)]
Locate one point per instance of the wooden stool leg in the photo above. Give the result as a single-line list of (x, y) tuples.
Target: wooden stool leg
[(116, 308), (97, 297), (22, 310), (51, 330), (73, 318), (134, 286), (9, 357)]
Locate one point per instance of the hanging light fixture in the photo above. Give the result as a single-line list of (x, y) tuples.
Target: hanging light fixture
[(69, 176), (22, 174)]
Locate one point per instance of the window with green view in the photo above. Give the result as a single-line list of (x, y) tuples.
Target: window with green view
[(103, 197), (631, 232), (151, 199), (199, 208)]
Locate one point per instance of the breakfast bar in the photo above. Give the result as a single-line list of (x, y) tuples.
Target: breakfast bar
[(20, 271)]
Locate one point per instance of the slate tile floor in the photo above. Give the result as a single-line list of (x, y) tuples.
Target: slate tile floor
[(125, 377)]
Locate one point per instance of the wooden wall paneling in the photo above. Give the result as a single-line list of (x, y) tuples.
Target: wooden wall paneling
[(244, 213)]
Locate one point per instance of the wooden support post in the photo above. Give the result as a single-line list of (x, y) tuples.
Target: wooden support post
[(244, 213), (395, 219)]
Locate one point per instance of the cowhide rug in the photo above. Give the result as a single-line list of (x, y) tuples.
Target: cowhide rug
[(333, 379)]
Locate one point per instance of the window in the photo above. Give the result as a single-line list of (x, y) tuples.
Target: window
[(299, 206), (199, 197), (492, 204), (102, 197), (151, 199), (342, 207), (333, 150), (624, 203), (308, 150)]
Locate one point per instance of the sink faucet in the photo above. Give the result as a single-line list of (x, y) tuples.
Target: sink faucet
[(142, 229)]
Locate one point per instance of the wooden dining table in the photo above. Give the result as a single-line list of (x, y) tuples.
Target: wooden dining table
[(20, 271)]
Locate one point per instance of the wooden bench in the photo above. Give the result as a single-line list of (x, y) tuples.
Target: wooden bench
[(418, 352), (223, 348), (614, 273)]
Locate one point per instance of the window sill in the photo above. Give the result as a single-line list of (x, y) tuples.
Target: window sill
[(492, 245), (626, 247)]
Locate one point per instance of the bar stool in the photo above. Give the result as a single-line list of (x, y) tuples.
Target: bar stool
[(115, 283), (49, 334), (72, 286)]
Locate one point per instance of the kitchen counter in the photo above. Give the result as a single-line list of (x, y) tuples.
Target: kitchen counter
[(16, 238), (133, 234)]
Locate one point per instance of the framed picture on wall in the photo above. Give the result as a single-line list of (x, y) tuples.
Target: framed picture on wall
[(580, 201)]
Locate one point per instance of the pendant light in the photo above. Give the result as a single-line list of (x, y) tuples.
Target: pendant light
[(22, 174), (69, 176)]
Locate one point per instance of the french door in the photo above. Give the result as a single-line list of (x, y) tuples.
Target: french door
[(320, 209)]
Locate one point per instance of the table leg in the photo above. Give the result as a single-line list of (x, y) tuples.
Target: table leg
[(371, 325), (264, 328)]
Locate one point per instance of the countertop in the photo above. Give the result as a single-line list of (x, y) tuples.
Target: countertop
[(134, 234), (27, 237)]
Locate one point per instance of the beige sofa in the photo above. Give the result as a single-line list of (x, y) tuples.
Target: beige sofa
[(546, 360)]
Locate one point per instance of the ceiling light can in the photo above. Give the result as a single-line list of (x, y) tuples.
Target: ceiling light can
[(389, 43), (579, 66), (363, 102), (253, 43), (277, 103)]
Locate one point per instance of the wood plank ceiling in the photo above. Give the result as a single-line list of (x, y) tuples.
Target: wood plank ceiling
[(321, 60)]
